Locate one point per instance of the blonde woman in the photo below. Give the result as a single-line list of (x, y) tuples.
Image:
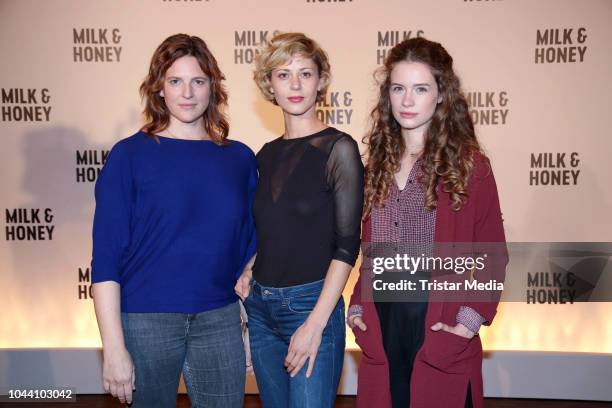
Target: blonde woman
[(307, 207)]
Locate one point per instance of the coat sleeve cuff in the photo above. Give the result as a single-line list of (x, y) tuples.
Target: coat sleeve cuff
[(470, 318), (355, 310)]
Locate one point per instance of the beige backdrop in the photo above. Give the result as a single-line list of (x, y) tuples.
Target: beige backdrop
[(60, 113)]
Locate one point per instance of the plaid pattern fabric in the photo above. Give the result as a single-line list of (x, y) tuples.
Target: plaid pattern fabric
[(404, 220), (470, 318), (404, 225)]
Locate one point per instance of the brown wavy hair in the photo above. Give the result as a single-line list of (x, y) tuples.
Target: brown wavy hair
[(156, 113), (450, 141)]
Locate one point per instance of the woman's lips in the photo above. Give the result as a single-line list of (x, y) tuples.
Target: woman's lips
[(296, 99), (408, 115), (187, 105)]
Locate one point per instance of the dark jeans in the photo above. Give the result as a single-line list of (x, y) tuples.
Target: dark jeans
[(206, 347), (274, 315)]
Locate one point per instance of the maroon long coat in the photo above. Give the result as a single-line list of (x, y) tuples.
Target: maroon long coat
[(446, 363)]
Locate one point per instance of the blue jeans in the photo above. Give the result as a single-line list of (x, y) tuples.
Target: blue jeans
[(274, 315), (206, 347)]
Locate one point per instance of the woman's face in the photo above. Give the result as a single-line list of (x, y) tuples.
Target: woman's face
[(186, 90), (295, 85), (413, 93)]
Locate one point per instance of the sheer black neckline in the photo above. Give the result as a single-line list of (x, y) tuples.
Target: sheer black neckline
[(307, 207), (323, 132)]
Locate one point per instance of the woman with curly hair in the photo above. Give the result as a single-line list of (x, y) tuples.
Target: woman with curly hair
[(426, 183), (172, 232)]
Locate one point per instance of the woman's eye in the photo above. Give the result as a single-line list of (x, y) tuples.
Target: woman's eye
[(200, 81), (282, 75), (306, 74), (421, 90), (396, 89), (173, 81)]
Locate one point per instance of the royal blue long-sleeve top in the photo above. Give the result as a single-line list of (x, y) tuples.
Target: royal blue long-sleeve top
[(173, 223)]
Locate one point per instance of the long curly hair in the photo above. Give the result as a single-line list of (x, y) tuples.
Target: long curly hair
[(157, 115), (450, 140)]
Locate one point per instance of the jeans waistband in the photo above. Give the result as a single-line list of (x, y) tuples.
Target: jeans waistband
[(311, 288)]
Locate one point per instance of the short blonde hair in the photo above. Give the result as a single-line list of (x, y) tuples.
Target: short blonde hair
[(279, 50)]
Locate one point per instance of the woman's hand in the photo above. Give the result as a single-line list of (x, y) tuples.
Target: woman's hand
[(243, 284), (459, 329), (304, 345), (118, 369), (118, 374), (356, 320), (244, 281)]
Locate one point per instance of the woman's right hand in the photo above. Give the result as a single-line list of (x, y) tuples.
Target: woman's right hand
[(243, 284), (118, 374), (356, 321)]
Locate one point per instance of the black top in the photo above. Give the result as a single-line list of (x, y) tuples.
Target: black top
[(308, 206)]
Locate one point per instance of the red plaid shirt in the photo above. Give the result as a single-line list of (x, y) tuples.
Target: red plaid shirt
[(404, 221)]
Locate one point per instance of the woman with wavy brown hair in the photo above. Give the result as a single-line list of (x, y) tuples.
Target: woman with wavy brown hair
[(173, 229), (426, 183)]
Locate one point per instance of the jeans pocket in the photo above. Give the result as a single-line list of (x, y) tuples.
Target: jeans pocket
[(303, 303)]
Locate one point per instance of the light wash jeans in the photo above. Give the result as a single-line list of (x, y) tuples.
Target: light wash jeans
[(206, 347), (274, 315)]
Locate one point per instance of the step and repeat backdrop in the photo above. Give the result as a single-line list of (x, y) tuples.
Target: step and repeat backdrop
[(537, 76)]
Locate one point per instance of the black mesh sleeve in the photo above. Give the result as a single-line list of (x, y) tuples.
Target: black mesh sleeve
[(345, 177)]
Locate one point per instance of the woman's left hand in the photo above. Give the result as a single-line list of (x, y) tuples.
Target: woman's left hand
[(304, 345), (459, 329)]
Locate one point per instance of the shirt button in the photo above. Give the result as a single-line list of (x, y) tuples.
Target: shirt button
[(410, 181), (396, 223), (398, 200)]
